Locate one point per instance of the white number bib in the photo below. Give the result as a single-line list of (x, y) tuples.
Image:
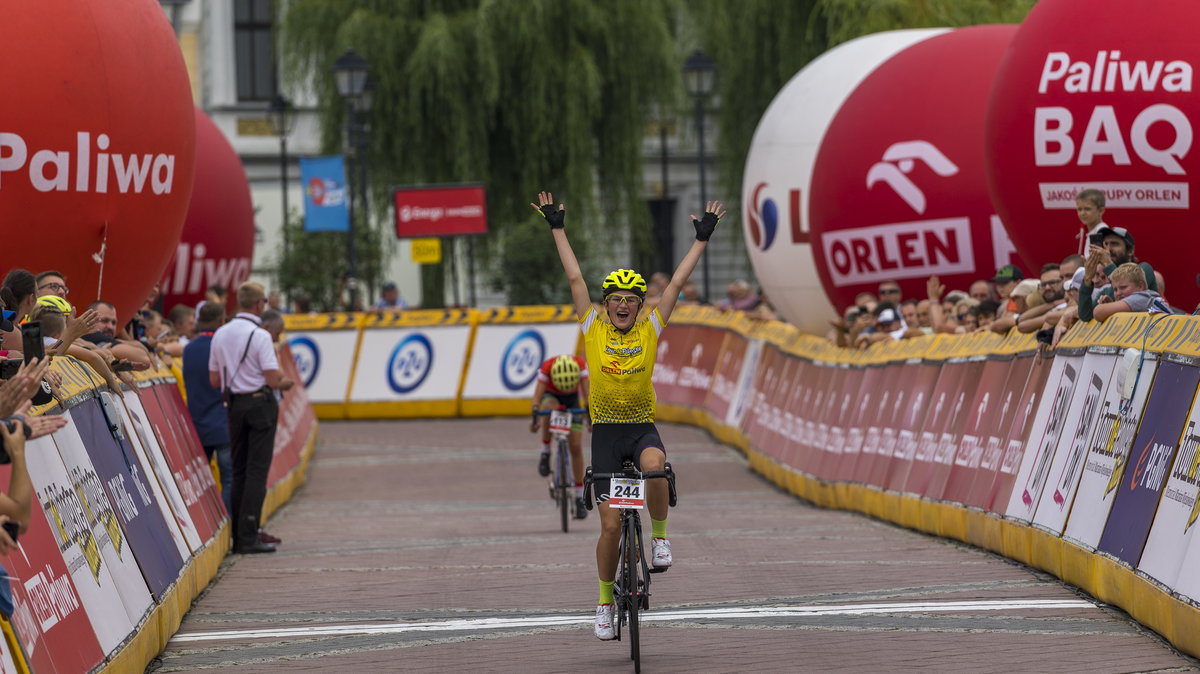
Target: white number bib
[(560, 422), (627, 493)]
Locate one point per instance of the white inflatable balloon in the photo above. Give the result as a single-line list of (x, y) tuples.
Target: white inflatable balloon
[(776, 182)]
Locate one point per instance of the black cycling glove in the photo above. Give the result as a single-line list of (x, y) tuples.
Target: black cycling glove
[(553, 216), (705, 226)]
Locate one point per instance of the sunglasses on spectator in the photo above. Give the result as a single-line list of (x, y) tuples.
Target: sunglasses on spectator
[(55, 287), (889, 291), (624, 299)]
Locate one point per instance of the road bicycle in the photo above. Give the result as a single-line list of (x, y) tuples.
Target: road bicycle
[(631, 591), (561, 485)]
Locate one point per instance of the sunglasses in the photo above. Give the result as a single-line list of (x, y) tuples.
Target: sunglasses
[(624, 299), (890, 291)]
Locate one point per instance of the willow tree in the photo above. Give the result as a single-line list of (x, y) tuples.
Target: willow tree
[(760, 44), (521, 95)]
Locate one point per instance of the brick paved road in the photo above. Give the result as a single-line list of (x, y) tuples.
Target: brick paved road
[(432, 546)]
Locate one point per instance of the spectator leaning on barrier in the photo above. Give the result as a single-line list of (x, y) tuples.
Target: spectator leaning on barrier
[(106, 336), (389, 298), (1007, 278), (204, 402), (1069, 264), (981, 291), (1052, 293), (1018, 303), (1130, 293), (243, 364)]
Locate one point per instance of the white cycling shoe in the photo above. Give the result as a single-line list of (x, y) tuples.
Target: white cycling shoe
[(660, 557), (604, 622)]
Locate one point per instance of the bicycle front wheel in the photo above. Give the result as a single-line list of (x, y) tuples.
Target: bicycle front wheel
[(562, 480), (633, 589)]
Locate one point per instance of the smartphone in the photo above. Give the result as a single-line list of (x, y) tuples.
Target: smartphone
[(13, 529), (31, 341)]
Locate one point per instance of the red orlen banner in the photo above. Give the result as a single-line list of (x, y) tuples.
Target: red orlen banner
[(440, 210)]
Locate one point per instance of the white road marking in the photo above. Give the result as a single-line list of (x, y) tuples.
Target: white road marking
[(661, 616)]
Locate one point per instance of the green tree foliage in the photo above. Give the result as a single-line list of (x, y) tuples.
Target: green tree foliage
[(522, 95), (315, 267)]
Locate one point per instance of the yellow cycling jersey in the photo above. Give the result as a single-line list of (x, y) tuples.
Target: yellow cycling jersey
[(619, 368)]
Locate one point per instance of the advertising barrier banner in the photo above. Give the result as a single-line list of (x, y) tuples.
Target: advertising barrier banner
[(699, 362), (988, 403), (411, 362), (954, 429), (1043, 438), (1017, 434), (177, 426), (673, 345), (324, 348), (1150, 457), (908, 426), (945, 402), (1119, 420), (296, 421), (1174, 523), (863, 409), (727, 378), (129, 498), (80, 544), (1058, 492), (48, 616), (509, 347), (91, 504)]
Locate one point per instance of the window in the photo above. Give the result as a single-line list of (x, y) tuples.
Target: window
[(252, 23)]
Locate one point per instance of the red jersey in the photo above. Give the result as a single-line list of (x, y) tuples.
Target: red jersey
[(544, 374)]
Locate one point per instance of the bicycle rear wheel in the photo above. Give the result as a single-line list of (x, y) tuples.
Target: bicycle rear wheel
[(632, 592)]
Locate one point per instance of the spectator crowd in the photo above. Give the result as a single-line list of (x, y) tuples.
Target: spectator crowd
[(1102, 277)]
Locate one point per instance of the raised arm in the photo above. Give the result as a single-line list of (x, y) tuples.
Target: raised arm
[(713, 211), (555, 218)]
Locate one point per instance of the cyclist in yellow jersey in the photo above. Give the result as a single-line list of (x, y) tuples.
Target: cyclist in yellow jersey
[(620, 358)]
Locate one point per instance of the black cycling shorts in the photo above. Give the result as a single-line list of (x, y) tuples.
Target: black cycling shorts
[(612, 444), (567, 400)]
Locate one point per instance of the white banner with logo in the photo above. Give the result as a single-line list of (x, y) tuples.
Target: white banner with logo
[(1109, 450), (325, 359), (410, 364), (82, 542), (506, 358), (1058, 490), (1174, 525), (1043, 438)]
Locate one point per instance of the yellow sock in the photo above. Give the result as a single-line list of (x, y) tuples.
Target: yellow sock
[(606, 596), (658, 528)]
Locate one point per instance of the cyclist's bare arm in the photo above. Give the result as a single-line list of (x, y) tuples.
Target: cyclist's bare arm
[(538, 392), (713, 211), (579, 291)]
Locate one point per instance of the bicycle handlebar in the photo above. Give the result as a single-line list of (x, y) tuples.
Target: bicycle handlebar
[(572, 410), (632, 473)]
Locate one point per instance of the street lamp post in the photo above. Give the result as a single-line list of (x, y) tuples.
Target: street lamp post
[(350, 72), (700, 78), (282, 116)]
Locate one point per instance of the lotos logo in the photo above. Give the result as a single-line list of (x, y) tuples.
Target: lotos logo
[(326, 192), (410, 363), (308, 358), (521, 360)]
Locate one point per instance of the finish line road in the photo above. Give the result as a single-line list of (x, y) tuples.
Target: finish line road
[(433, 546)]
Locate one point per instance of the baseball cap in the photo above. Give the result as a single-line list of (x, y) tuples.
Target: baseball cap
[(1025, 287), (1102, 232), (389, 285), (1075, 281), (1008, 273), (888, 316)]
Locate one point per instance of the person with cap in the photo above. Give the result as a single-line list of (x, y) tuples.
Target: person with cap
[(1050, 287), (1018, 304), (889, 326), (389, 298), (1007, 278), (1110, 247)]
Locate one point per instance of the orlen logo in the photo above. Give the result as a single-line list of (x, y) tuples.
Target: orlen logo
[(307, 355), (326, 192), (521, 360), (762, 218), (410, 363), (899, 161), (57, 170)]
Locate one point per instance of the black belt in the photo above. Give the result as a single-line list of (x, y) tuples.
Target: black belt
[(261, 393)]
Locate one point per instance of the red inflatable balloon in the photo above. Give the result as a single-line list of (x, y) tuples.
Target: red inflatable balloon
[(1106, 104), (217, 245), (898, 187), (96, 144)]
